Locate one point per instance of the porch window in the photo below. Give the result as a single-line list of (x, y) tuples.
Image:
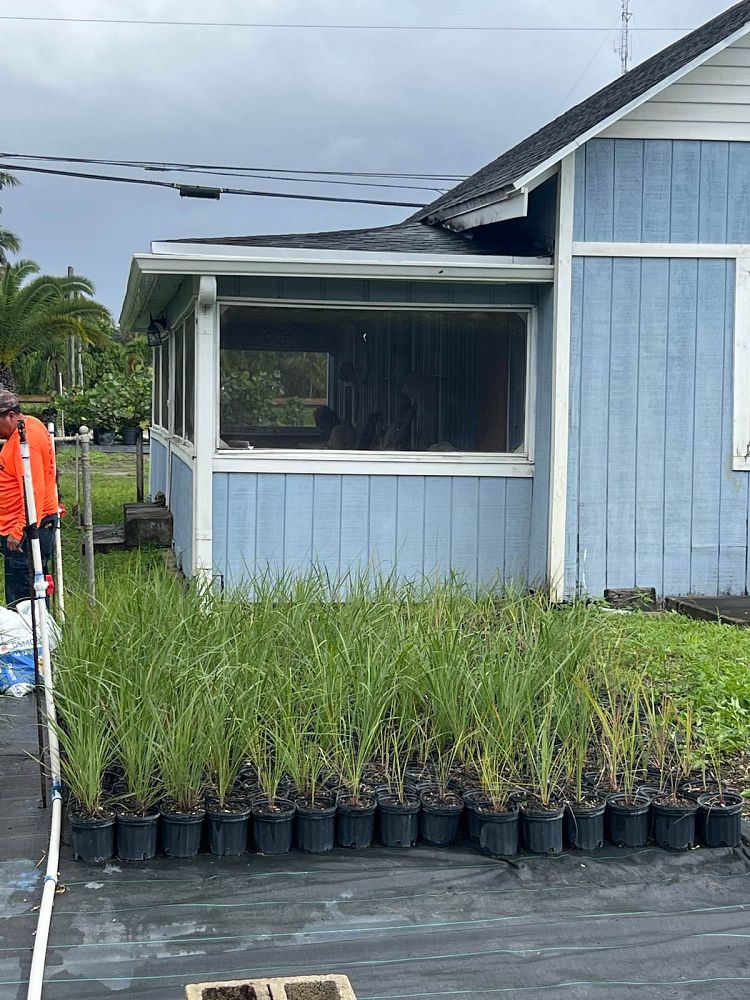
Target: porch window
[(183, 397), (378, 380)]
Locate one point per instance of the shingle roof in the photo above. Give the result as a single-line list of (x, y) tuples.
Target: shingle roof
[(406, 237), (555, 136)]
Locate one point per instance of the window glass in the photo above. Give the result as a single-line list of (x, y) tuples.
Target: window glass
[(179, 423), (190, 378), (373, 380), (163, 417)]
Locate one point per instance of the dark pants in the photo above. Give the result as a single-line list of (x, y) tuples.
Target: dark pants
[(19, 575)]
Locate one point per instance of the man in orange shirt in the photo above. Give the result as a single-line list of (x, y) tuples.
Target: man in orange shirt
[(13, 537)]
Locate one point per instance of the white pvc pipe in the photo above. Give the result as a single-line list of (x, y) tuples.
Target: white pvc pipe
[(36, 975), (59, 591)]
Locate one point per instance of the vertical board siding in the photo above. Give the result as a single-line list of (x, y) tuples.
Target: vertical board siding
[(181, 505), (157, 470), (662, 191), (653, 500), (415, 527)]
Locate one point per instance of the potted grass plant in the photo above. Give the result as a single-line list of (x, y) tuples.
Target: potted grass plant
[(182, 765), (227, 814), (584, 807), (398, 801), (673, 812), (137, 727), (543, 809), (719, 817), (273, 815), (86, 751), (496, 811), (441, 805)]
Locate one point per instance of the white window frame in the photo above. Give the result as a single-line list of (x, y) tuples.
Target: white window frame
[(400, 463)]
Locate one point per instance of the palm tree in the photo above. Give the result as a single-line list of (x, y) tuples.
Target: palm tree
[(38, 314), (9, 242)]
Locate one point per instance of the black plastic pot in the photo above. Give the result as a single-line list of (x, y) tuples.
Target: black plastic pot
[(93, 836), (399, 821), (498, 831), (673, 825), (130, 435), (542, 829), (439, 821), (104, 436), (227, 831), (315, 827), (584, 824), (272, 830), (719, 823), (137, 835), (181, 833), (627, 823), (355, 824), (474, 817)]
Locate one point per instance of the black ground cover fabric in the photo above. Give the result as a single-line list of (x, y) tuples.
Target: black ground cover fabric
[(401, 924)]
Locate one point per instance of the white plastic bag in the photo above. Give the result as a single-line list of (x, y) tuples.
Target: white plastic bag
[(17, 649)]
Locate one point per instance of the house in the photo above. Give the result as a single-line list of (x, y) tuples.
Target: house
[(540, 377)]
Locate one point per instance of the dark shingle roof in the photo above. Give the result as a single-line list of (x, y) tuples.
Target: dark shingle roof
[(406, 237), (555, 136)]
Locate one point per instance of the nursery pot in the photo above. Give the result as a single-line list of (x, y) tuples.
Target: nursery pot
[(399, 821), (627, 823), (674, 824), (542, 829), (104, 436), (130, 435), (355, 824), (475, 818), (181, 833), (440, 817), (137, 835), (315, 825), (93, 836), (719, 824), (227, 829), (272, 825), (584, 824), (498, 831)]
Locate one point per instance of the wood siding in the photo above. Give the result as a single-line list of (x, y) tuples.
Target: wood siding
[(181, 505), (488, 530), (653, 500), (662, 191), (711, 102), (157, 469)]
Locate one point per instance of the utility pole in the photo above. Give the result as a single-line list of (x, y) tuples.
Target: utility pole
[(624, 46), (72, 367)]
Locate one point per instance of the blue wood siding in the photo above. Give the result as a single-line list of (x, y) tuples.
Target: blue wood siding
[(653, 500), (416, 526), (181, 505), (662, 191), (157, 468)]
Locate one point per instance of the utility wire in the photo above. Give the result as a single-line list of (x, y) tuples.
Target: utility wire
[(169, 164), (325, 27), (202, 191)]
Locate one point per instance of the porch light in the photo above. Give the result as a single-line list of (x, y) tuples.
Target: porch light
[(157, 332)]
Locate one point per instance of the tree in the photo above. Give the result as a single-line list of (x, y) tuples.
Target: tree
[(9, 242), (38, 313)]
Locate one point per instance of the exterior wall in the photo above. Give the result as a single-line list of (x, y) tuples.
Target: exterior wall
[(157, 476), (490, 530), (712, 102), (181, 505), (653, 500)]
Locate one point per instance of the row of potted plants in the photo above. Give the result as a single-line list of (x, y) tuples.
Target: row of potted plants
[(292, 705)]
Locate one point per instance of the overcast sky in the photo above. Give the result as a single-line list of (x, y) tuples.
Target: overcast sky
[(429, 101)]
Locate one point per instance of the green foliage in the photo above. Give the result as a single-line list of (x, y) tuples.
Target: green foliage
[(265, 388), (118, 399)]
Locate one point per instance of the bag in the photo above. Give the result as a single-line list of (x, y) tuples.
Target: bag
[(17, 649)]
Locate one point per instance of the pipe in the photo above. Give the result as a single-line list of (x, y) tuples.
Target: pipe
[(36, 974), (88, 517), (59, 591)]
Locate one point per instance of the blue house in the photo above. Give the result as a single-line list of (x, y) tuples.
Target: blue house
[(540, 378)]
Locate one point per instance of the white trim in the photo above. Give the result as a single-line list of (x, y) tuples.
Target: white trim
[(159, 434), (341, 463), (514, 207), (616, 116), (558, 494), (182, 449), (205, 430), (741, 371), (360, 306), (698, 131), (695, 251)]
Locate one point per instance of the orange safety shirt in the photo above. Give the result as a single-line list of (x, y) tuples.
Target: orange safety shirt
[(12, 511)]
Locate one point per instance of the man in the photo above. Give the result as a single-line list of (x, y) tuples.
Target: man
[(13, 541)]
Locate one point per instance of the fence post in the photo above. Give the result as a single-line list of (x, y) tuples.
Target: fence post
[(139, 467), (88, 520)]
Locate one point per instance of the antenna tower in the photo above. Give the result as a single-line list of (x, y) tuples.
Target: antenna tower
[(624, 46)]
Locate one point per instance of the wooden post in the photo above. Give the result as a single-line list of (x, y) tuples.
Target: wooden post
[(139, 494), (88, 519)]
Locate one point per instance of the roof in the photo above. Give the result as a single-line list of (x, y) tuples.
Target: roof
[(557, 135), (406, 237)]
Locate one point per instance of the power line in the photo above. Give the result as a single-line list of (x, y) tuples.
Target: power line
[(324, 27), (202, 191), (267, 173)]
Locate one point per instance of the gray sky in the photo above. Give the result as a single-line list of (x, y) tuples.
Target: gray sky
[(429, 101)]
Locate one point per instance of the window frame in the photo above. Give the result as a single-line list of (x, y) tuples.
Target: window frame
[(422, 463)]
